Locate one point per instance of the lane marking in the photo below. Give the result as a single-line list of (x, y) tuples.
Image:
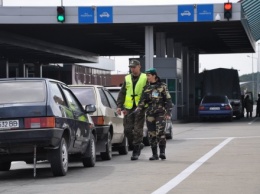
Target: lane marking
[(188, 171), (209, 138)]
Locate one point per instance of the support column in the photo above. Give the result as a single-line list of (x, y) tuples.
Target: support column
[(160, 45), (149, 49), (196, 61), (178, 53), (7, 68), (25, 71), (191, 85), (185, 81), (170, 48)]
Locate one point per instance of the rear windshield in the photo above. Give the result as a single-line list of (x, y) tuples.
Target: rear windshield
[(85, 95), (215, 99), (22, 92)]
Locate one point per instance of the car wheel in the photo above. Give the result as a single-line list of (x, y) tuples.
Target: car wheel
[(59, 159), (123, 149), (108, 154), (89, 158), (5, 166)]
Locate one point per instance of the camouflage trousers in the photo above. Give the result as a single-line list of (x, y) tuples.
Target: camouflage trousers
[(156, 129), (133, 125)]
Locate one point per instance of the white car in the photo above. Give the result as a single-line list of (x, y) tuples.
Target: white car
[(109, 125)]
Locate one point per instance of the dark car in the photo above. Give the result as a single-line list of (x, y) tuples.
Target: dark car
[(43, 114), (213, 106)]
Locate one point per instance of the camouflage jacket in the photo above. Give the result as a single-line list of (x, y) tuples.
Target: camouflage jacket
[(157, 97)]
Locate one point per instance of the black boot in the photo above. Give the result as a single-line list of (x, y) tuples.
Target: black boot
[(141, 146), (155, 154), (162, 152), (136, 152)]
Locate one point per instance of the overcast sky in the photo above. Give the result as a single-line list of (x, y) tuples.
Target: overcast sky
[(241, 62)]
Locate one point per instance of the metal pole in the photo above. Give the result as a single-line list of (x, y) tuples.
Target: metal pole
[(34, 161), (253, 88), (258, 68)]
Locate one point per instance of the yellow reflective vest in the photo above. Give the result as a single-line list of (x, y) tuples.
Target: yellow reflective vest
[(134, 95)]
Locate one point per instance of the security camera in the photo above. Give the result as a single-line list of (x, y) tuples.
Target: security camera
[(217, 18)]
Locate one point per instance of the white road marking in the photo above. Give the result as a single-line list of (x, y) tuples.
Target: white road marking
[(208, 138), (188, 171)]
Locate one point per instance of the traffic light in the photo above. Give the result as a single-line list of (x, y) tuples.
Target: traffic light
[(61, 14), (227, 10)]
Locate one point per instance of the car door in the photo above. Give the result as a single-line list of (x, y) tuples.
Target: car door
[(116, 119), (80, 126)]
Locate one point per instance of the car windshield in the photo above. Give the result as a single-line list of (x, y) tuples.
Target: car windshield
[(85, 95), (22, 92), (214, 99)]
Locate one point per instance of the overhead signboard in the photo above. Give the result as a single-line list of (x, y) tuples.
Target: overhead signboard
[(104, 14), (86, 15), (185, 13), (205, 12)]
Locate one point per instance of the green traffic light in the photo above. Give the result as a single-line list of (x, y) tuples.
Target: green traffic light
[(61, 18)]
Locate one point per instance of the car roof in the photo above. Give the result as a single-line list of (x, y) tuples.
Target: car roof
[(29, 79), (85, 85), (113, 87)]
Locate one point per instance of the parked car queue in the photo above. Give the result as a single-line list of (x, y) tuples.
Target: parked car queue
[(59, 123)]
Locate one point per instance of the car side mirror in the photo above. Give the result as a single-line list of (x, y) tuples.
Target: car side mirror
[(90, 108)]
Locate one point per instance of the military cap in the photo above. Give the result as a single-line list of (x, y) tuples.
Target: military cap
[(134, 63), (151, 71)]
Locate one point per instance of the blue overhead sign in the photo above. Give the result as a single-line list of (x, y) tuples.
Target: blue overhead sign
[(86, 15), (104, 14), (205, 12), (185, 13)]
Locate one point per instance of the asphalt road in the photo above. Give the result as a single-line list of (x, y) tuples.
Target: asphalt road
[(214, 157)]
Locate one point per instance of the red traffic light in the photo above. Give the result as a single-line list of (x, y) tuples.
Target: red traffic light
[(228, 6), (61, 10), (228, 10)]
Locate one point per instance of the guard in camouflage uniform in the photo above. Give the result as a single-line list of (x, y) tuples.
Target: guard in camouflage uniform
[(127, 101), (157, 96)]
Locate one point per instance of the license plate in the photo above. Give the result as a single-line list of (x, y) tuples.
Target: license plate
[(8, 124), (214, 108)]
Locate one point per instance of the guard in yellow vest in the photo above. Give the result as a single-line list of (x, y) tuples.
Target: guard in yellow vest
[(127, 101)]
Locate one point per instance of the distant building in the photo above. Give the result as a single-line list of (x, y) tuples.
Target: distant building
[(117, 79)]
